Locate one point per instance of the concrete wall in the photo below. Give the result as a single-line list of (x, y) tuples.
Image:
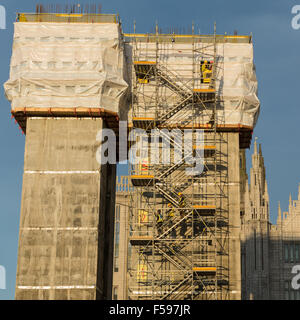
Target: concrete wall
[(67, 213), (234, 216), (121, 252)]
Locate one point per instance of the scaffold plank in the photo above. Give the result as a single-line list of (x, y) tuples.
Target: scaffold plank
[(141, 241), (205, 269), (142, 180)]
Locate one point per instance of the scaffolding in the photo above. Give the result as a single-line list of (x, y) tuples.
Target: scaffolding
[(179, 223)]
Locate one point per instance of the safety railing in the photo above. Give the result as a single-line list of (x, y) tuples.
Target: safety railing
[(67, 17)]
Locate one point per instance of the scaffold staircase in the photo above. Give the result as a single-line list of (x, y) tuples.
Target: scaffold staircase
[(150, 70), (180, 258)]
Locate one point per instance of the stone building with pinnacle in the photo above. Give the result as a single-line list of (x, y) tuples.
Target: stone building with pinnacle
[(268, 252)]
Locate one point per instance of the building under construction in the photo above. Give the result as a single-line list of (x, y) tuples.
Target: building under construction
[(67, 83), (73, 74), (185, 225)]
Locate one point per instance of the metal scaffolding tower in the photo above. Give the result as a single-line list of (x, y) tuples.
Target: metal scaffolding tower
[(178, 221)]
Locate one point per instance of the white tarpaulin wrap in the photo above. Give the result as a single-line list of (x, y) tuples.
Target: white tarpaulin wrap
[(237, 85), (60, 65)]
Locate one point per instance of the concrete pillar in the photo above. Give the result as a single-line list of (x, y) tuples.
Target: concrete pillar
[(121, 255), (67, 213), (234, 216)]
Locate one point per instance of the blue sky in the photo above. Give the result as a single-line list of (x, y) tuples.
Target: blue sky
[(276, 49)]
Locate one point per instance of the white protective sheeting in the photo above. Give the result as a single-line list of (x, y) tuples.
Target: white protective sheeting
[(61, 65), (237, 86)]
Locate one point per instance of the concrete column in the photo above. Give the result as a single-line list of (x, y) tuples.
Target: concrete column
[(67, 213), (120, 275), (234, 216)]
